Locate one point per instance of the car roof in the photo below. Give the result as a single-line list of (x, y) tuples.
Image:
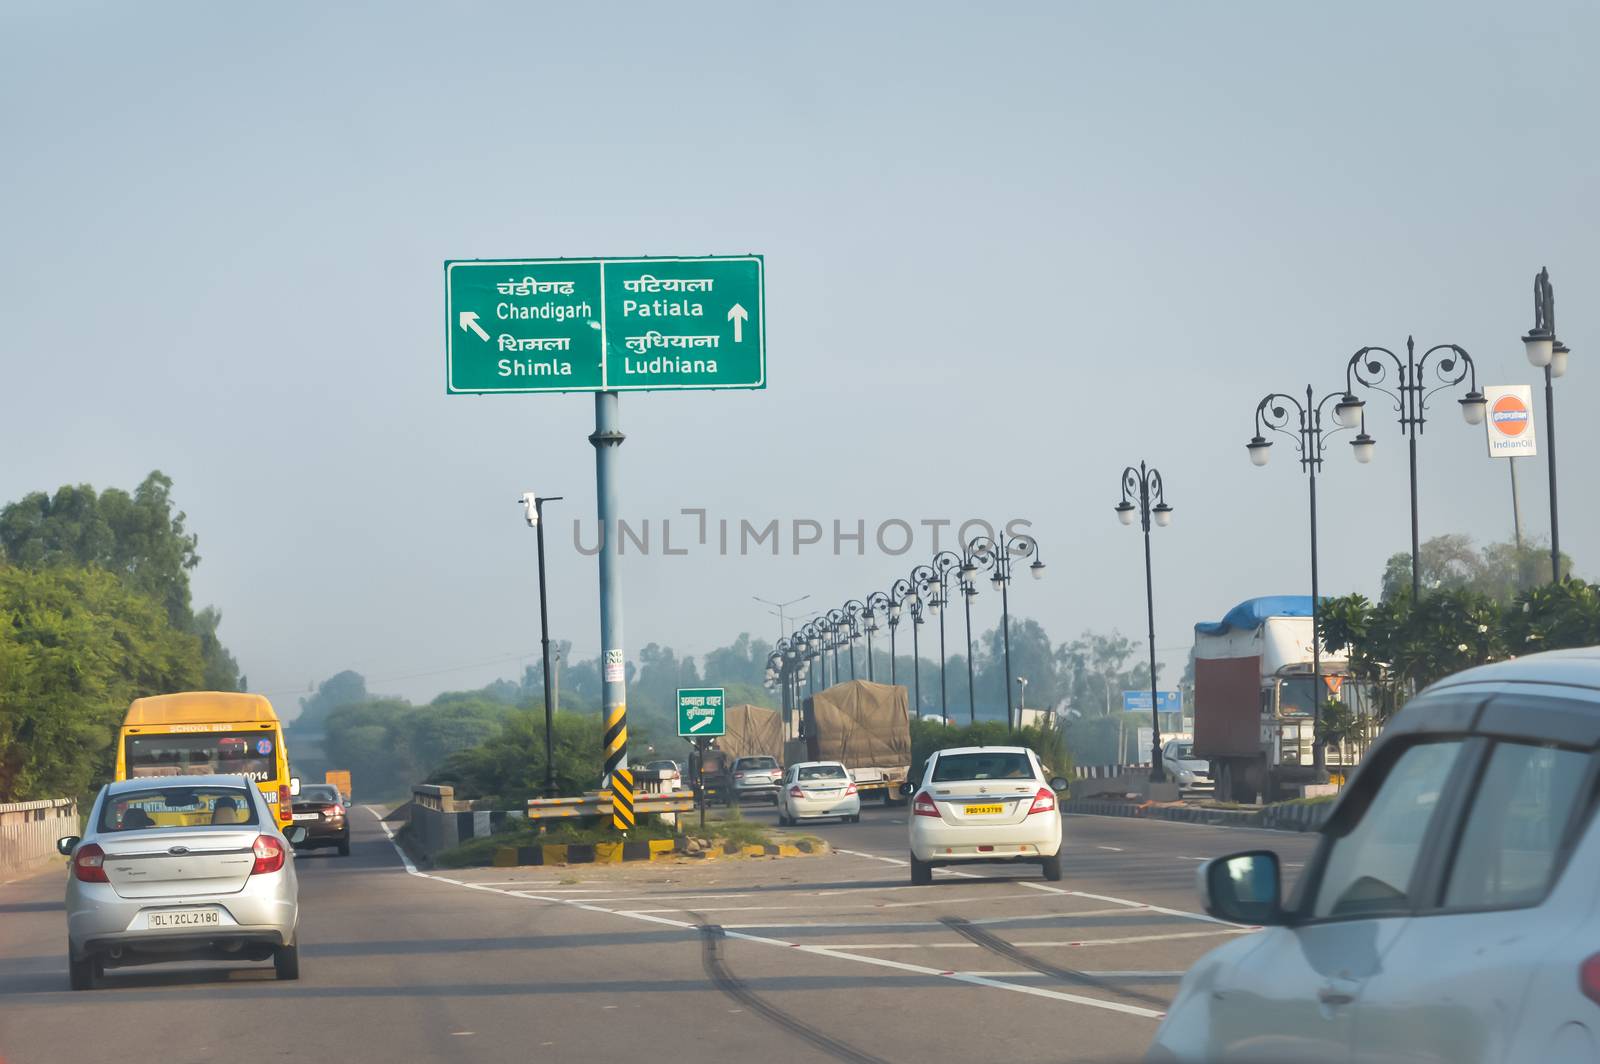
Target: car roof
[(809, 764), (140, 783), (982, 750), (1548, 697)]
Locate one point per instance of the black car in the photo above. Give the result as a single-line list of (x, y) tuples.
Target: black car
[(320, 809)]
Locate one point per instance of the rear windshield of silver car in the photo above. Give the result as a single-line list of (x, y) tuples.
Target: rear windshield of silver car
[(176, 808), (822, 772), (757, 762), (955, 768)]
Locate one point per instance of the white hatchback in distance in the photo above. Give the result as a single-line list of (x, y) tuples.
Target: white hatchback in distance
[(818, 789), (984, 803)]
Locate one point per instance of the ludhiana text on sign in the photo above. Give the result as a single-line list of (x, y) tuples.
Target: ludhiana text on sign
[(584, 325)]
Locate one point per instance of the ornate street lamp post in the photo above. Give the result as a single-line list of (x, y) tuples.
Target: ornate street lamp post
[(921, 581), (1142, 494), (1411, 383), (1310, 442), (998, 555), (1549, 353)]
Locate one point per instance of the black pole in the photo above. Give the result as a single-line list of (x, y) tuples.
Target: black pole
[(1004, 569), (944, 696), (544, 647), (1550, 438), (916, 664), (1416, 549), (852, 658), (1157, 771), (700, 777), (870, 625), (972, 698), (894, 623), (1318, 757)]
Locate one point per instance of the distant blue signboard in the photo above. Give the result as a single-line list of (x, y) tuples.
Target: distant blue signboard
[(1171, 701)]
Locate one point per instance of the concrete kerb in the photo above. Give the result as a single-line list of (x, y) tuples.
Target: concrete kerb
[(643, 850), (1286, 817)]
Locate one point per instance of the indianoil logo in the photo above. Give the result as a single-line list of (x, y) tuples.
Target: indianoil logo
[(1509, 416)]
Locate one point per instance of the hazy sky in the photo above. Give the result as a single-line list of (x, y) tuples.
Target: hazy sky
[(1010, 249)]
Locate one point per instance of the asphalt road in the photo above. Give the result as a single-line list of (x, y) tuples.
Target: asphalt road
[(814, 959)]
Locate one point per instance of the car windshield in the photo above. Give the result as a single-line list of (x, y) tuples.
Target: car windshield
[(748, 763), (1183, 751), (319, 793), (176, 807), (983, 765), (822, 772)]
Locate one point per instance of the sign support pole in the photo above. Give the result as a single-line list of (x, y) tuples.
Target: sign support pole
[(1516, 504), (607, 440)]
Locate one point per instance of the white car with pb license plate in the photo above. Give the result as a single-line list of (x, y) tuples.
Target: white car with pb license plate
[(985, 804), (181, 868), (817, 789)]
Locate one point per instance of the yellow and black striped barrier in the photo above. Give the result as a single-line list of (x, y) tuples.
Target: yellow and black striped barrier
[(622, 799)]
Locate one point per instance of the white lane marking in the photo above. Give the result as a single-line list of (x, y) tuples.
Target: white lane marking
[(1025, 974), (1126, 940), (1182, 857), (661, 897), (878, 924), (904, 863), (820, 951), (699, 908), (1113, 849)]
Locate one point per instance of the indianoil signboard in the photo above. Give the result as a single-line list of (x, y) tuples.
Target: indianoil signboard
[(1510, 421), (584, 325)]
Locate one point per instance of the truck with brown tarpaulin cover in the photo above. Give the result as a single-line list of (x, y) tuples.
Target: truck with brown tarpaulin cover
[(865, 726)]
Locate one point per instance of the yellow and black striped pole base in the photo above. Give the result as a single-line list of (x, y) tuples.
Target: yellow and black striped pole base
[(618, 779)]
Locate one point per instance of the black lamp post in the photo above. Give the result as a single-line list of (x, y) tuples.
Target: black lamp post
[(534, 506), (896, 597), (1310, 441), (1142, 494), (922, 578), (877, 602), (1411, 383), (854, 611), (1545, 351), (944, 563), (998, 555)]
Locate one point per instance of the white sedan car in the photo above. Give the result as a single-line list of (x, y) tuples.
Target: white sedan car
[(1448, 914), (985, 803), (818, 789)]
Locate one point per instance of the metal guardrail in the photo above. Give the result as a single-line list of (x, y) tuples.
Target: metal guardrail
[(597, 803)]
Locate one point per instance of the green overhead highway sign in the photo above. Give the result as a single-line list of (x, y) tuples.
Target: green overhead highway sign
[(700, 712), (584, 325)]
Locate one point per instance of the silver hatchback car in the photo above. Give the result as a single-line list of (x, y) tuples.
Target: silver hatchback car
[(180, 868)]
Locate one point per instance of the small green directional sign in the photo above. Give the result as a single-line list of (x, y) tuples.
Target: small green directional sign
[(700, 712), (577, 325)]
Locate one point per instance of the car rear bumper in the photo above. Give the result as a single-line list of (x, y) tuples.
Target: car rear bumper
[(323, 833), (767, 791), (935, 841), (805, 808), (143, 947), (98, 917)]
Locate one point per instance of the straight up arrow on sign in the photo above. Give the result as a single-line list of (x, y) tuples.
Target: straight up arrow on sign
[(738, 315)]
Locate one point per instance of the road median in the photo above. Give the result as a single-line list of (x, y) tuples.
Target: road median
[(1283, 816)]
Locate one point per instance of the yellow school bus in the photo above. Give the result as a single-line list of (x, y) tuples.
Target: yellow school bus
[(195, 733)]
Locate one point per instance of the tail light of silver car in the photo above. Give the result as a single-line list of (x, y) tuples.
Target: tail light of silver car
[(1043, 802), (924, 805), (1589, 978), (89, 864), (796, 792), (269, 855)]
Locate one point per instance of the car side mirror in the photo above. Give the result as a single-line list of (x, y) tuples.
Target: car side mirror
[(1244, 888), (1058, 784), (296, 835), (64, 846), (908, 788)]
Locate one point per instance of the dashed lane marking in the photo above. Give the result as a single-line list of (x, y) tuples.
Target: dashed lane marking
[(818, 951), (1126, 940)]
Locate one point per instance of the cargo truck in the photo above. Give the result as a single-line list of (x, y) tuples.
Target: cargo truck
[(865, 726), (1254, 696)]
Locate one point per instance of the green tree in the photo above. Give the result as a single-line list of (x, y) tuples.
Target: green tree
[(77, 645), (139, 537), (1500, 571), (1098, 667), (341, 689)]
